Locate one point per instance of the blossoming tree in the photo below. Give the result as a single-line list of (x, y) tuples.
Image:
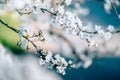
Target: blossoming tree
[(61, 22)]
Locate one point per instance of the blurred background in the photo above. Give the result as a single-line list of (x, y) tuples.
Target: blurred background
[(17, 64)]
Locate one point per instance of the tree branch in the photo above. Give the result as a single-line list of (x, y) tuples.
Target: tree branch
[(8, 26), (17, 31)]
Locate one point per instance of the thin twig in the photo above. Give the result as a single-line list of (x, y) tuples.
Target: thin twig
[(42, 9), (16, 31), (114, 7), (8, 26)]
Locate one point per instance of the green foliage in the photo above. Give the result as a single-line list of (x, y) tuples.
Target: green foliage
[(7, 37)]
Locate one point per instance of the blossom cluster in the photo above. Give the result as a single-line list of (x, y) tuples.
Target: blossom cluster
[(46, 58), (26, 34), (69, 23), (56, 62), (38, 4)]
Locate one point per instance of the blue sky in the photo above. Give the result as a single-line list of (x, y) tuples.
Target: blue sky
[(99, 16)]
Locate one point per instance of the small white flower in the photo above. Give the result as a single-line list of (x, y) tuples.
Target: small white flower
[(42, 62), (37, 3), (101, 33), (84, 28), (68, 2), (87, 63), (107, 6), (83, 35), (25, 30), (107, 35), (61, 9), (96, 45), (46, 4), (70, 62), (49, 56), (75, 30), (61, 69), (22, 28), (98, 28), (92, 43), (111, 28), (35, 6), (79, 22), (22, 43), (119, 16), (61, 64)]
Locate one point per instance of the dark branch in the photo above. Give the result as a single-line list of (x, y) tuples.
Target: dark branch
[(114, 7), (8, 26), (16, 31), (43, 10)]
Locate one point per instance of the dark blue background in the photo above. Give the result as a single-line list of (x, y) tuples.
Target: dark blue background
[(99, 16), (102, 68)]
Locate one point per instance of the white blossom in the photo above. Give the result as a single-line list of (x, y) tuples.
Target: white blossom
[(24, 29), (22, 43), (92, 43), (49, 56), (111, 28), (107, 35), (83, 35), (61, 69), (87, 63), (68, 22), (68, 2), (61, 9), (62, 64), (119, 16), (98, 28), (101, 33), (56, 61), (46, 4), (42, 62), (35, 6), (71, 24), (107, 6)]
